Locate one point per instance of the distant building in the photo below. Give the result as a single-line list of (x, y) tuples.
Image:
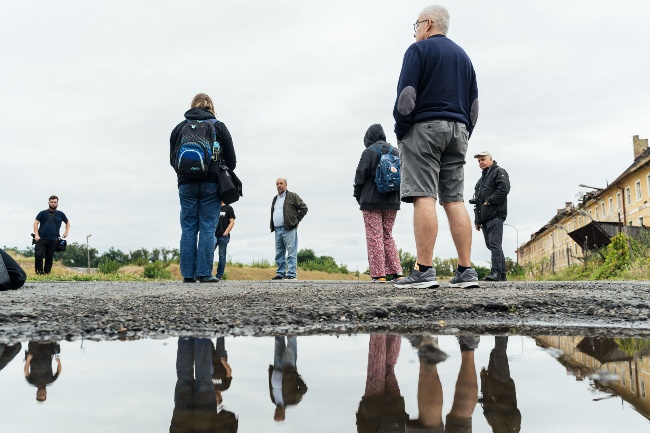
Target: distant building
[(617, 366), (622, 206)]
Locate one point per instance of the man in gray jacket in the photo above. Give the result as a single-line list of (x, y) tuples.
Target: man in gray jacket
[(287, 210)]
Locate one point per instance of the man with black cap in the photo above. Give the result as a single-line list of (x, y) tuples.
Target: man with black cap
[(490, 210)]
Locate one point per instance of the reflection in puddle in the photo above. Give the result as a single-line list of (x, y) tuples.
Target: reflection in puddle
[(362, 383)]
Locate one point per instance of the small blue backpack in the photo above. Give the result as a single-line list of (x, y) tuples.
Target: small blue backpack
[(388, 170)]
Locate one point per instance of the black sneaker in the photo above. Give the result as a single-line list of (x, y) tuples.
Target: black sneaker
[(494, 276), (419, 280), (208, 279), (189, 280), (278, 277)]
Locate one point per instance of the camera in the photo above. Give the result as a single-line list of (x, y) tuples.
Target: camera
[(472, 201)]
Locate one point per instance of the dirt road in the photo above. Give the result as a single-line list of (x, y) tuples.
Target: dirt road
[(108, 310)]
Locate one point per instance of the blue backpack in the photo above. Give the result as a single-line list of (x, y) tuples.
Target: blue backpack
[(388, 172), (198, 149)]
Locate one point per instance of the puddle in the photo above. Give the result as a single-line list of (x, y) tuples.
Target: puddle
[(359, 383)]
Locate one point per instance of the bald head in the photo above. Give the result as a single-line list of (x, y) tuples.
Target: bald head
[(281, 185)]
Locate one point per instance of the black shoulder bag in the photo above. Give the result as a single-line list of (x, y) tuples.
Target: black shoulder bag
[(230, 187)]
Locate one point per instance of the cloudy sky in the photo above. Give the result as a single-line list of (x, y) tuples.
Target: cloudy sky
[(90, 92)]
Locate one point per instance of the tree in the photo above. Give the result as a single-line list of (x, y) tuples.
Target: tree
[(139, 257), (406, 259), (306, 255), (115, 255), (76, 255)]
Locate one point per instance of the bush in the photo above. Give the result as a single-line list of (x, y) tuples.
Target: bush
[(109, 266), (157, 271), (263, 263), (618, 257)]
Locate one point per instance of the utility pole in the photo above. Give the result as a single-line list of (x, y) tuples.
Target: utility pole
[(88, 251), (517, 250)]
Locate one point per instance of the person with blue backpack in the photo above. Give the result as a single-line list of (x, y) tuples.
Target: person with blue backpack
[(198, 145), (376, 188)]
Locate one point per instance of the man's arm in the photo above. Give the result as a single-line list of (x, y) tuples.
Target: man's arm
[(473, 101), (228, 229), (301, 208), (28, 362), (36, 237), (409, 80), (67, 229)]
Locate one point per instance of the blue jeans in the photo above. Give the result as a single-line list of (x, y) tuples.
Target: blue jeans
[(222, 244), (200, 207), (286, 244), (194, 395)]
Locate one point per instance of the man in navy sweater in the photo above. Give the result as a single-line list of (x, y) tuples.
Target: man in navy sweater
[(435, 113)]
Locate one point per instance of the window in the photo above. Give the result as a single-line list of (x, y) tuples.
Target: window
[(619, 202), (628, 195), (590, 216), (611, 206), (642, 388), (637, 187), (602, 206), (632, 387), (648, 184), (640, 221)]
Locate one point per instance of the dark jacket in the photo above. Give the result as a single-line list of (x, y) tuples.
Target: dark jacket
[(293, 387), (365, 189), (294, 210), (493, 187), (223, 137)]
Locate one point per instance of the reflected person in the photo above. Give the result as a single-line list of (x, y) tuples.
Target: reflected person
[(499, 396), (285, 384), (430, 398), (382, 404), (38, 366), (8, 352), (221, 371), (195, 402)]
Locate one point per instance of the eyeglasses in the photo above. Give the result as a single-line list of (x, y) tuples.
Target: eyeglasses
[(417, 23)]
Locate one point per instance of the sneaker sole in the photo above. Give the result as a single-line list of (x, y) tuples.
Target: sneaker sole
[(420, 285), (465, 285)]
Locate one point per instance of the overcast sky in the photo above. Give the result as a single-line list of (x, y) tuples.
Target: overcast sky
[(90, 92)]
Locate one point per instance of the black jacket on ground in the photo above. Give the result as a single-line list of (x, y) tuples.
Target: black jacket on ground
[(223, 137), (365, 189), (493, 187), (294, 211)]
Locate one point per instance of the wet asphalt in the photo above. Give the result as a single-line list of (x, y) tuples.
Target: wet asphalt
[(132, 310)]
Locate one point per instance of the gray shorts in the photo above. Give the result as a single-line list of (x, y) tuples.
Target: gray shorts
[(432, 158)]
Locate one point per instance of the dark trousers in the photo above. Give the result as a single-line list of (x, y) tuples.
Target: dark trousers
[(15, 273), (44, 250), (493, 234), (222, 243)]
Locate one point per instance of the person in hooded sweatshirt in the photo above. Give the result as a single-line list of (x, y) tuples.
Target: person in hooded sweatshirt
[(379, 209), (199, 196)]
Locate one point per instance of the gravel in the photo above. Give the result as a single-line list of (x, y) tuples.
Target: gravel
[(132, 310)]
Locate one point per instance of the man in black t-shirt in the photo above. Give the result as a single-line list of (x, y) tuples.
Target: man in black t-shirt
[(224, 227), (46, 232)]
